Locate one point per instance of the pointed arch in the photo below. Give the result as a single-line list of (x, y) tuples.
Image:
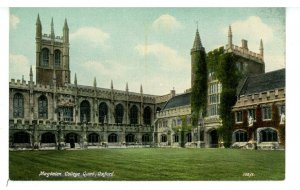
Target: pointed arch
[(103, 110), (43, 107), (85, 111), (45, 57), (57, 58), (147, 115), (18, 105), (133, 115), (119, 112)]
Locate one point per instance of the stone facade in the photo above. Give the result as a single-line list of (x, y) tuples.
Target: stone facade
[(55, 114)]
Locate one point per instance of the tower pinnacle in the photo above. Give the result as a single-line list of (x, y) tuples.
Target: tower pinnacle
[(261, 48), (229, 37), (38, 27), (75, 80), (52, 29), (95, 82), (197, 42)]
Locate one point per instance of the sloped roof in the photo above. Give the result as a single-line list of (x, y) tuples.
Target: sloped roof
[(264, 82), (179, 100)]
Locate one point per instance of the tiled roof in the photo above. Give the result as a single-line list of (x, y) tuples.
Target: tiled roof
[(263, 82), (179, 100)]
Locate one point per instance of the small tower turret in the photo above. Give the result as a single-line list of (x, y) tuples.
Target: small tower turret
[(127, 87), (196, 55)]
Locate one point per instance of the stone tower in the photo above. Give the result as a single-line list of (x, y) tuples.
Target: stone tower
[(196, 51), (52, 55)]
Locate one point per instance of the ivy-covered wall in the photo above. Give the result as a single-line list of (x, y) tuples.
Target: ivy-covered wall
[(199, 85), (223, 65)]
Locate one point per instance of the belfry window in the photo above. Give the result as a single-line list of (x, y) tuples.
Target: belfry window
[(103, 112), (43, 107), (133, 115), (45, 57), (57, 58), (147, 115), (85, 111), (119, 114), (18, 105)]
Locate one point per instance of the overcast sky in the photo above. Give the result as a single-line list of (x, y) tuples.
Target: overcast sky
[(148, 46)]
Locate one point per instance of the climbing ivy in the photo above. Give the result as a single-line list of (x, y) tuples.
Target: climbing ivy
[(224, 68), (199, 88)]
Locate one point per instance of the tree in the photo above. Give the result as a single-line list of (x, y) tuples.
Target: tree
[(182, 130)]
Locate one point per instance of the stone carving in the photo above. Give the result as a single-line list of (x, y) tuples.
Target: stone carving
[(282, 119), (250, 121)]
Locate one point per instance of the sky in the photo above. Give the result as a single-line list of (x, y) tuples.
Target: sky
[(148, 46)]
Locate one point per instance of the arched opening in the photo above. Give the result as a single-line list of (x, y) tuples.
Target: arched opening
[(43, 107), (113, 138), (146, 138), (103, 109), (21, 137), (163, 138), (57, 58), (147, 116), (93, 138), (133, 115), (268, 135), (65, 114), (213, 138), (119, 114), (18, 105), (45, 57), (176, 138), (189, 137), (85, 111), (72, 138), (48, 138), (240, 136), (130, 138)]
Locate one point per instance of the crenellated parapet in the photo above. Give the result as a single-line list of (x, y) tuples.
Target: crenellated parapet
[(244, 52)]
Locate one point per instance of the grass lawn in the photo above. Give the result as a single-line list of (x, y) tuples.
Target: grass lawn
[(150, 164)]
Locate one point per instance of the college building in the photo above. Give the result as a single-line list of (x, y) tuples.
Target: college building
[(54, 113)]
